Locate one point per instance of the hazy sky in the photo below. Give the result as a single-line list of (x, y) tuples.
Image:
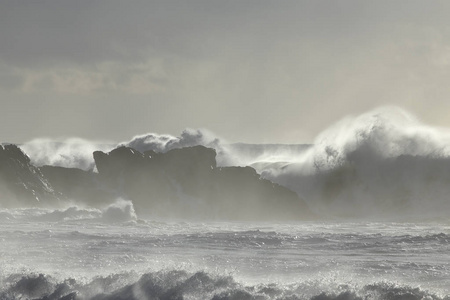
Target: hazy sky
[(255, 71)]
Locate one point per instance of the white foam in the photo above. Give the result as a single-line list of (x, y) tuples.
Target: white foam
[(384, 161), (69, 153), (119, 211)]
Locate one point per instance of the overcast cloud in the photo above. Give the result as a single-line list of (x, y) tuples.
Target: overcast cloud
[(255, 71)]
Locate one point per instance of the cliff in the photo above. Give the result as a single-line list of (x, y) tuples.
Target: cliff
[(181, 183), (78, 185), (21, 183), (187, 183)]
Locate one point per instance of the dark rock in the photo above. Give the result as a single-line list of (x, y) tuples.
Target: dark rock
[(117, 160), (77, 184), (186, 182), (21, 183), (181, 183), (250, 195)]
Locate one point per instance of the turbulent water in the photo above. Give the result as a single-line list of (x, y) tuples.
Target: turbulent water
[(110, 254), (378, 182)]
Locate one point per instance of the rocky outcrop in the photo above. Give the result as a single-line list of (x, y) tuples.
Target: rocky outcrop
[(181, 183), (256, 196), (117, 160), (77, 185), (187, 183), (21, 183)]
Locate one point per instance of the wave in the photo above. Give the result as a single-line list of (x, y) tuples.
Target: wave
[(178, 284), (381, 163), (69, 153), (438, 238), (117, 212), (77, 153), (228, 154), (165, 142)]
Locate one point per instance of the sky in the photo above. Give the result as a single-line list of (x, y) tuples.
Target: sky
[(249, 71)]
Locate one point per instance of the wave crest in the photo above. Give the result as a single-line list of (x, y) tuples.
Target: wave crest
[(382, 162), (179, 284), (117, 212), (69, 153)]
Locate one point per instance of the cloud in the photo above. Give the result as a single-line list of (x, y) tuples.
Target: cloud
[(248, 70), (10, 78), (144, 78), (38, 33)]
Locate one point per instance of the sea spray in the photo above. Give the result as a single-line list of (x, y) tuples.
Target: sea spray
[(380, 164), (69, 153), (118, 211), (81, 252), (384, 162)]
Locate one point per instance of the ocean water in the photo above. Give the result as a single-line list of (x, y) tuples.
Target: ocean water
[(77, 253), (378, 184)]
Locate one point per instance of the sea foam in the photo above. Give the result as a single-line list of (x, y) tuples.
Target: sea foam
[(384, 161), (179, 284)]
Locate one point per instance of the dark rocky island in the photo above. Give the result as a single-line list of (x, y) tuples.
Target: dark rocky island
[(181, 183), (21, 183)]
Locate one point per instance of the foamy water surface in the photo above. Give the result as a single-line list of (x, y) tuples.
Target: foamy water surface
[(81, 253)]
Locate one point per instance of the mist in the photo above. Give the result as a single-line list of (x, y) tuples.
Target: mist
[(224, 149), (384, 163), (69, 153), (381, 163), (251, 72)]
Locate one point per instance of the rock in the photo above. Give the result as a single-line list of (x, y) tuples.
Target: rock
[(77, 184), (249, 196), (186, 183), (181, 183), (118, 159), (21, 183)]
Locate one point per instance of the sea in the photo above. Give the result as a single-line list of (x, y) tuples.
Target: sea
[(86, 254), (378, 184)]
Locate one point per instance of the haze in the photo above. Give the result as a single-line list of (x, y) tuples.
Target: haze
[(253, 71)]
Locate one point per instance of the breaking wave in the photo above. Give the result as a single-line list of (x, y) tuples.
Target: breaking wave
[(69, 153), (384, 162), (77, 153), (178, 284), (164, 142), (117, 212)]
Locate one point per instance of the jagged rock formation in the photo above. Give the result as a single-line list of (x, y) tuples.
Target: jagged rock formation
[(187, 183), (181, 183), (21, 183), (78, 185)]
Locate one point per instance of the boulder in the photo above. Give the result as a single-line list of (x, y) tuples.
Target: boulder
[(21, 183)]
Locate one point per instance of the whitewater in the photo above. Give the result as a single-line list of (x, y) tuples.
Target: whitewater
[(87, 254), (377, 183)]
